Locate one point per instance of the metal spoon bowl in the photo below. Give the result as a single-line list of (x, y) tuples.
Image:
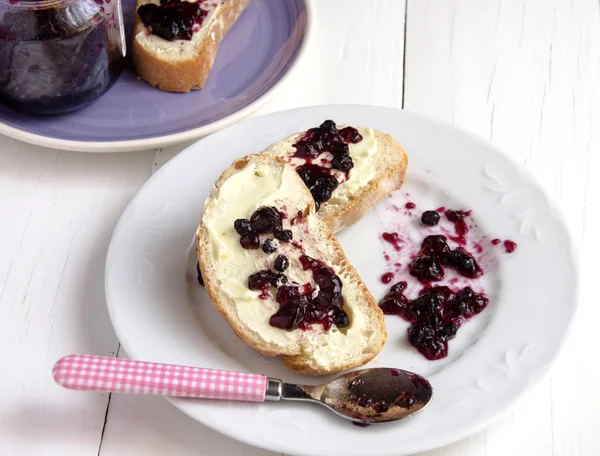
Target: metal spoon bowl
[(364, 396)]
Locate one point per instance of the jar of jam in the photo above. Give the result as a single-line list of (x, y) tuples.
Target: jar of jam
[(57, 56)]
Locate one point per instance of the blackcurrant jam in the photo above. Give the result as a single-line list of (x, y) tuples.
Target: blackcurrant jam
[(435, 315), (172, 19), (57, 56), (325, 139)]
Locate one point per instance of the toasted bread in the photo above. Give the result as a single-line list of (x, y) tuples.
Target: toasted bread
[(182, 65), (389, 163), (266, 180)]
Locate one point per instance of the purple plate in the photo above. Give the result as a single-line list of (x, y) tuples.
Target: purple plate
[(259, 50)]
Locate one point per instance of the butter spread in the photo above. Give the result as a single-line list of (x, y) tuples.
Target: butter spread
[(239, 196), (361, 154)]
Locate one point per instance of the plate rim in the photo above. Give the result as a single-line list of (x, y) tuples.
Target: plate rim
[(173, 138), (539, 374)]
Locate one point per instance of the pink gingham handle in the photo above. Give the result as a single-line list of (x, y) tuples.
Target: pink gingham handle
[(101, 373)]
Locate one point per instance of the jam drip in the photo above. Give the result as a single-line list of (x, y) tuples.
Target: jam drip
[(460, 226), (393, 239), (510, 246), (172, 19), (315, 142), (436, 315)]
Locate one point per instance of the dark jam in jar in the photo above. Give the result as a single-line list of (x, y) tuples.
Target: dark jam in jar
[(57, 56)]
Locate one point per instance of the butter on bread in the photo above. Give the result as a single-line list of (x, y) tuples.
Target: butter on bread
[(379, 169), (183, 65), (266, 180)]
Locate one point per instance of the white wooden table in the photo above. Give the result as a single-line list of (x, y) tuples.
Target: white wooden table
[(524, 74)]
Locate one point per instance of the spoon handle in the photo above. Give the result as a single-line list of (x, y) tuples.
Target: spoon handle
[(115, 375)]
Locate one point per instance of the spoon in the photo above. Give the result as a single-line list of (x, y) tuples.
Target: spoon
[(364, 396)]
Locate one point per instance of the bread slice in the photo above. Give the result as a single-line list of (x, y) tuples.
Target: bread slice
[(266, 180), (388, 163), (183, 65)]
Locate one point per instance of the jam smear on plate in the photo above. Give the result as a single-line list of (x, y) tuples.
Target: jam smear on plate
[(435, 253), (393, 239), (435, 315), (460, 226), (509, 246), (439, 310)]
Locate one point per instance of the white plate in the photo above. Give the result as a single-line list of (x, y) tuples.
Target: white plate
[(496, 357)]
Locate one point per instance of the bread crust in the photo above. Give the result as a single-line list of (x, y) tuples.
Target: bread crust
[(386, 181), (184, 75), (296, 360)]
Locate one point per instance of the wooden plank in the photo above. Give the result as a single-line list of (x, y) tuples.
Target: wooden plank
[(58, 212)]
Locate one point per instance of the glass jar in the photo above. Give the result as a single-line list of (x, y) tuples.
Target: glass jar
[(57, 56)]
